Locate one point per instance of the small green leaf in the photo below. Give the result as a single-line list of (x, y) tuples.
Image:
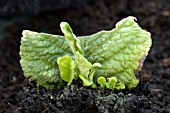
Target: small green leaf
[(67, 66), (92, 71), (119, 86), (71, 38), (85, 80), (101, 81), (83, 64), (111, 83)]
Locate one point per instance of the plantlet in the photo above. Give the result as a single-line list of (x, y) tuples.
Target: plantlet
[(109, 58)]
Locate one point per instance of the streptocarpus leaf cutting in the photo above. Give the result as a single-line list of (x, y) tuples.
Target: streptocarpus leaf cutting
[(108, 59)]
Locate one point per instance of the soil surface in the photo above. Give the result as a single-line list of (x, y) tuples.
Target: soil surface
[(152, 95)]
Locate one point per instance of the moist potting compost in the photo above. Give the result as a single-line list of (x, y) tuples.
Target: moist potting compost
[(151, 95)]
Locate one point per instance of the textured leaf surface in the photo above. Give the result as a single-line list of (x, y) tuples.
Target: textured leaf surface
[(120, 51), (39, 53)]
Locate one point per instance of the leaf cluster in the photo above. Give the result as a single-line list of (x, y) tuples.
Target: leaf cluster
[(107, 58)]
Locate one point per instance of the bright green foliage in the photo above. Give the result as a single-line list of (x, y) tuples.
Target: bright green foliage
[(111, 83), (93, 70), (119, 86), (101, 81), (67, 67), (71, 38), (113, 55), (83, 65)]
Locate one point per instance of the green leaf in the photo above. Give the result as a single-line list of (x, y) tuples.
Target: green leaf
[(85, 80), (71, 38), (39, 53), (101, 81), (84, 66), (67, 66), (93, 70), (121, 51), (111, 83), (119, 86)]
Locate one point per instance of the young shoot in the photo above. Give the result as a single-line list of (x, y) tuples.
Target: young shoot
[(107, 59)]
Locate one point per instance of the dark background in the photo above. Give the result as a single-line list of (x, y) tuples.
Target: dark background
[(85, 17)]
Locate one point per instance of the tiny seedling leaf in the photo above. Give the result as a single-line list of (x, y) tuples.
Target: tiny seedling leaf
[(66, 66), (119, 86), (101, 81), (111, 83)]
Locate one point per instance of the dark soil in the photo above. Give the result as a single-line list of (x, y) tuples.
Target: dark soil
[(152, 95)]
